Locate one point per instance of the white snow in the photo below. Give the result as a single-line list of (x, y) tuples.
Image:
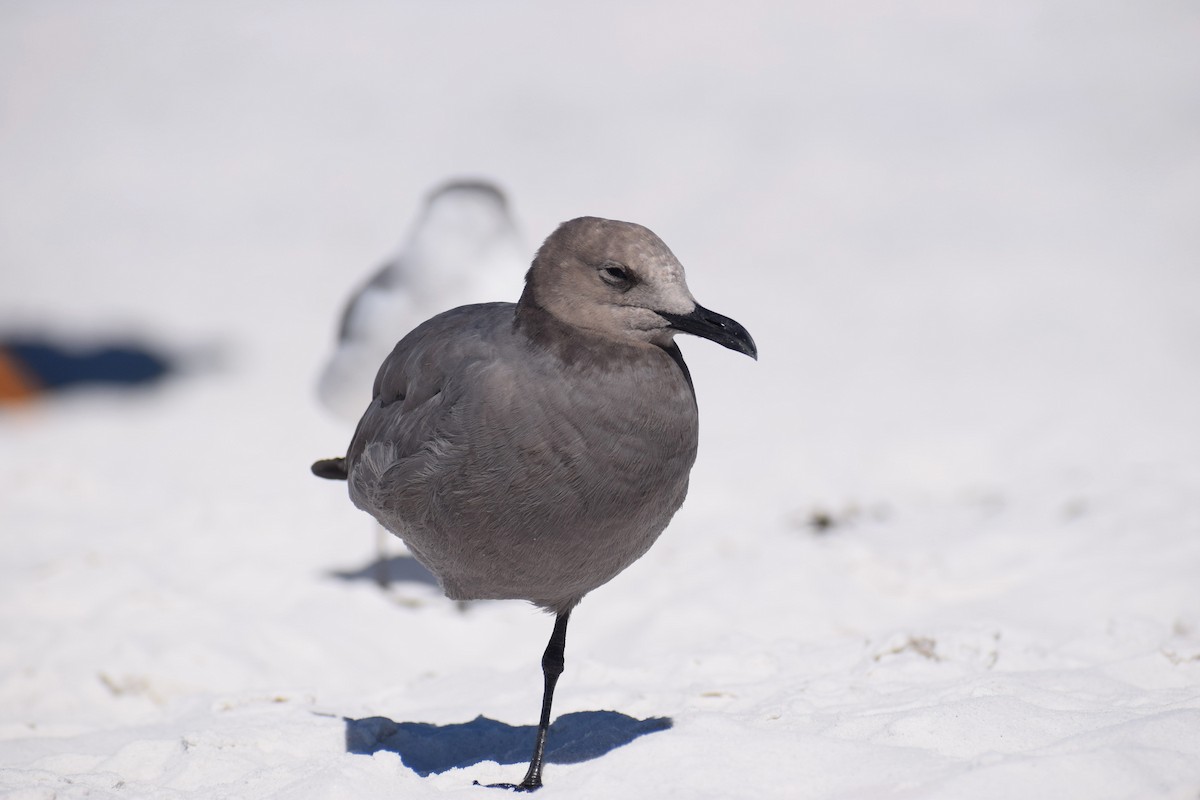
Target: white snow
[(963, 234)]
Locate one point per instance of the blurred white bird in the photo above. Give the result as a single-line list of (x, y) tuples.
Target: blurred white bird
[(464, 248)]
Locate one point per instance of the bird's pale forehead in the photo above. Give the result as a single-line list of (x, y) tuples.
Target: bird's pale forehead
[(652, 255)]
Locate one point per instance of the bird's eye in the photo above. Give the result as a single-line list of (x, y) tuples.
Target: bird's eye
[(616, 275)]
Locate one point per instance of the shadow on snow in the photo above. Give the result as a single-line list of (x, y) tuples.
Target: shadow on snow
[(394, 569), (426, 748)]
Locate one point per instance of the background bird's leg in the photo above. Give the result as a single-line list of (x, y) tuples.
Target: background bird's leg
[(381, 557), (552, 667)]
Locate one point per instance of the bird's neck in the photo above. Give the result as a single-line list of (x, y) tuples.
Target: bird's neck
[(582, 348), (571, 344)]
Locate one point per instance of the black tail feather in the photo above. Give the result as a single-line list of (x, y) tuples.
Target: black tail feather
[(332, 469)]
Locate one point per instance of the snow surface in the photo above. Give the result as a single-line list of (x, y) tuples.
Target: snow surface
[(943, 539)]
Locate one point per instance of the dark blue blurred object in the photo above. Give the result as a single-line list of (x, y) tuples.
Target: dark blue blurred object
[(30, 366)]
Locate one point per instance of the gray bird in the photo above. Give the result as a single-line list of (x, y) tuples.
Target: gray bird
[(533, 451)]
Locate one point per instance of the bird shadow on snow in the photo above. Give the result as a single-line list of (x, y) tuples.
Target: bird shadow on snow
[(396, 569), (427, 749)]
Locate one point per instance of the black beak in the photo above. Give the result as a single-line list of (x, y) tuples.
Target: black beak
[(713, 326)]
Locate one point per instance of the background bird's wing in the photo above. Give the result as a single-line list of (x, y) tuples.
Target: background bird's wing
[(385, 279)]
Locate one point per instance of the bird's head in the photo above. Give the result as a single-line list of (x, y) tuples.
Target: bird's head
[(463, 211), (620, 280)]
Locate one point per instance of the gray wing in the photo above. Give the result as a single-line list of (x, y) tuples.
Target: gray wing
[(410, 425)]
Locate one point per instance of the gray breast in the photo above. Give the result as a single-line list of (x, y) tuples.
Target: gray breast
[(525, 465)]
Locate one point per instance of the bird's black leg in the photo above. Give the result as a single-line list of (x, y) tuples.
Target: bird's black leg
[(552, 667)]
